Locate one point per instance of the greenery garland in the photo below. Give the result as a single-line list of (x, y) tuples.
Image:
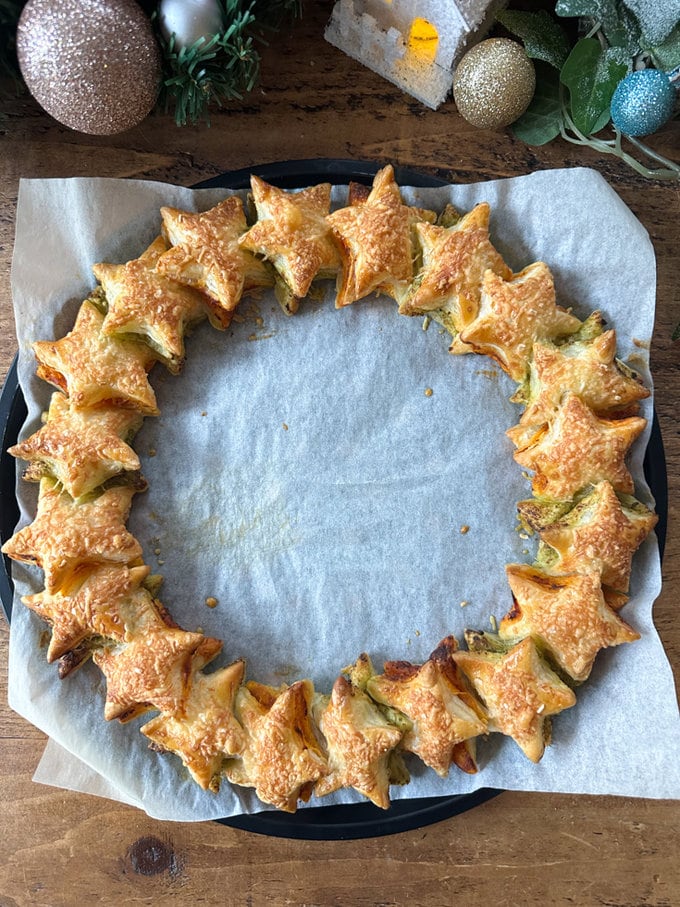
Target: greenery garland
[(223, 66), (575, 83), (214, 69)]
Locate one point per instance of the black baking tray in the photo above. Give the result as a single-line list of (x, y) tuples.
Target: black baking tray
[(344, 822)]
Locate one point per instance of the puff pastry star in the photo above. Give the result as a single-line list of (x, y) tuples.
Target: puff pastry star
[(206, 255), (282, 758), (105, 603), (153, 670), (588, 369), (514, 314), (80, 448), (577, 449), (65, 536), (519, 691), (359, 740), (601, 533), (433, 696), (455, 258), (205, 732), (94, 369), (292, 233), (144, 303), (567, 615), (376, 242)]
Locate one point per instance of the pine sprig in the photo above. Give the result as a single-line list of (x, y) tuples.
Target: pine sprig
[(223, 67)]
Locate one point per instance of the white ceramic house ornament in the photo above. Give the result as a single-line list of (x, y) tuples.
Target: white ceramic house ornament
[(413, 43)]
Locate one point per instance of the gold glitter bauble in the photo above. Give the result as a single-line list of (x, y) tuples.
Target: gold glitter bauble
[(494, 83), (94, 65)]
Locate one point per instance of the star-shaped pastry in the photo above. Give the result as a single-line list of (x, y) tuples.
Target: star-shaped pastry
[(376, 240), (568, 615), (107, 601), (282, 758), (66, 536), (81, 448), (519, 691), (514, 314), (206, 255), (601, 533), (577, 449), (359, 740), (433, 696), (588, 369), (205, 731), (292, 234), (455, 258), (145, 304), (94, 369), (153, 670)]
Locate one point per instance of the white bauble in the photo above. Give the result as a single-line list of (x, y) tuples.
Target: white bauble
[(189, 20)]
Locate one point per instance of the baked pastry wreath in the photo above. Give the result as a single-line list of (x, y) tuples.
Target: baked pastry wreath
[(579, 419)]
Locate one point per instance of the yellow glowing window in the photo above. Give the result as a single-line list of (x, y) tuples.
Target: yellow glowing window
[(423, 39)]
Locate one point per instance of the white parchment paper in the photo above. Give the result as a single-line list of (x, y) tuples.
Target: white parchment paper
[(300, 475)]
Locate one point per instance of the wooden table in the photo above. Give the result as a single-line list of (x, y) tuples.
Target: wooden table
[(58, 848)]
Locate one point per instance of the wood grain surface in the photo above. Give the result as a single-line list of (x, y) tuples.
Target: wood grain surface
[(59, 848)]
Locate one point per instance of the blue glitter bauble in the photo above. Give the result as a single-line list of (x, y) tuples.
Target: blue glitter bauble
[(642, 102)]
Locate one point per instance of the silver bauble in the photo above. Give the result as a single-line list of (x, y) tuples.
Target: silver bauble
[(494, 83), (189, 20), (94, 65)]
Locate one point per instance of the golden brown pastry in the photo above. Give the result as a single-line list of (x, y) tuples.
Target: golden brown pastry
[(282, 758), (292, 234), (104, 602), (153, 670), (206, 255), (66, 536), (376, 242), (449, 284), (81, 448), (204, 732), (601, 532), (577, 450), (145, 304), (94, 369), (519, 691), (513, 314), (359, 740), (442, 714), (588, 369), (577, 427), (567, 615)]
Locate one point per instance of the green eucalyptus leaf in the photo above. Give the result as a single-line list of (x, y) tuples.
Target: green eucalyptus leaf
[(676, 333), (595, 9), (543, 37), (666, 56), (602, 120), (618, 24), (656, 18), (542, 120), (622, 29), (591, 74)]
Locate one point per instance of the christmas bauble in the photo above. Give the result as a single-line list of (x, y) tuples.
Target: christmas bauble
[(189, 20), (642, 102), (94, 65), (494, 83)]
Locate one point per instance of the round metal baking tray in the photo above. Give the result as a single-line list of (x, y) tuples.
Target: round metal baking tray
[(351, 821)]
